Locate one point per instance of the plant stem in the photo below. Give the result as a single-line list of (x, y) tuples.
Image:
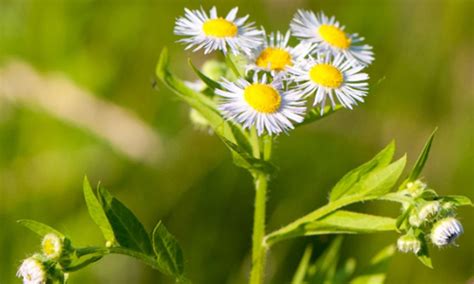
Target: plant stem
[(259, 248)]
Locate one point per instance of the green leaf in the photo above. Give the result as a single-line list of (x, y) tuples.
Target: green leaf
[(340, 222), (421, 161), (39, 228), (245, 160), (315, 114), (128, 230), (97, 213), (324, 269), (347, 222), (458, 200), (376, 272), (236, 63), (208, 81), (348, 182), (376, 184), (423, 254), (302, 269), (167, 250)]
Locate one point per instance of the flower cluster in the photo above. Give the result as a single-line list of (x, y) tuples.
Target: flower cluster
[(281, 82), (427, 217), (46, 267)]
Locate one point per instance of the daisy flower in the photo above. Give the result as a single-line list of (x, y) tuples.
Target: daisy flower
[(275, 55), (327, 77), (330, 36), (32, 271), (217, 33), (261, 104)]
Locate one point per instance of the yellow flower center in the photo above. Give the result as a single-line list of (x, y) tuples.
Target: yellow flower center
[(219, 27), (263, 98), (274, 58), (335, 36), (49, 247), (326, 75)]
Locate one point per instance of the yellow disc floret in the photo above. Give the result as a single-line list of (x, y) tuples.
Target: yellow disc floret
[(334, 36), (263, 98), (274, 58), (326, 75), (219, 27)]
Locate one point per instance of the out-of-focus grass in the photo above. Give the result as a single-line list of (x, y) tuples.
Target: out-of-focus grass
[(422, 78)]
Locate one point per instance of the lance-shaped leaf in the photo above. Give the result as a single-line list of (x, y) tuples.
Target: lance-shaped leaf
[(39, 228), (421, 161), (423, 254), (350, 180), (376, 184), (208, 81), (128, 230), (167, 250), (377, 270), (97, 213), (340, 222), (458, 200)]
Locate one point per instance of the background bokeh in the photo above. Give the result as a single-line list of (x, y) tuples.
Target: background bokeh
[(422, 78)]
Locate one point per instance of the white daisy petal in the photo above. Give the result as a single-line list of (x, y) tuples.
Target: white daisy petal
[(330, 37), (328, 77), (260, 104), (213, 33)]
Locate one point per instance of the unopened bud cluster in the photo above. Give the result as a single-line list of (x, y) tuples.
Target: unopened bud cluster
[(427, 217), (47, 266)]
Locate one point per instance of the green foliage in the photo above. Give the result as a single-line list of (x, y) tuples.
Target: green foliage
[(301, 271), (125, 235), (421, 161), (208, 81), (167, 250), (97, 213), (324, 269), (369, 181), (39, 228)]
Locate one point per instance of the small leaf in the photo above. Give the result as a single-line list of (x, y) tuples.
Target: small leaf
[(301, 271), (245, 160), (420, 162), (423, 254), (97, 213), (458, 200), (208, 81), (39, 228), (315, 114), (382, 159), (324, 269), (167, 250), (347, 222), (376, 272), (128, 230), (343, 274)]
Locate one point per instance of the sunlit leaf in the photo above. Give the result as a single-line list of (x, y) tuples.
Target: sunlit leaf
[(348, 182), (39, 228), (208, 81), (97, 213), (421, 161)]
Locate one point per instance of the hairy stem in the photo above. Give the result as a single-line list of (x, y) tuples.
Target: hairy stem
[(259, 248)]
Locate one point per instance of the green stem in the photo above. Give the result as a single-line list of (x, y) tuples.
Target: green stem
[(259, 248)]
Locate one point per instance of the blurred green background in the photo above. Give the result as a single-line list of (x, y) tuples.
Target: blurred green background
[(422, 78)]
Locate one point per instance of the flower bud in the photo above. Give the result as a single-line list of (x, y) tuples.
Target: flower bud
[(52, 246), (32, 271), (415, 189), (414, 220), (429, 210), (446, 231), (408, 243)]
